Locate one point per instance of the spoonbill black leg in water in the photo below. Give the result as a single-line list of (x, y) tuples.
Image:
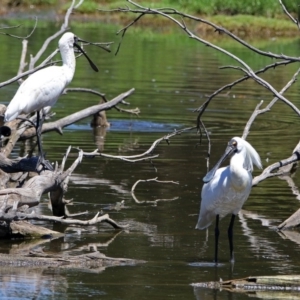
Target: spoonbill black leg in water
[(225, 190), (42, 89)]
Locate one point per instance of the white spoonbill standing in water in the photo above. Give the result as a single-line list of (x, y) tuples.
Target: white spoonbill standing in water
[(226, 189), (42, 89)]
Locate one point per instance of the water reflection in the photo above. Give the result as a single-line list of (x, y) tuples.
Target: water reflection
[(29, 283), (201, 293)]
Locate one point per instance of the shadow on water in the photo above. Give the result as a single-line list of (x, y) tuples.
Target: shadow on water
[(131, 126), (169, 84)]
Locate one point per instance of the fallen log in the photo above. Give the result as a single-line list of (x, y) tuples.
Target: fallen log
[(255, 283), (40, 259)]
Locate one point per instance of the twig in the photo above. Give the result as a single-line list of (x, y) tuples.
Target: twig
[(63, 122), (135, 111), (166, 12), (125, 29), (246, 68), (23, 56), (267, 172), (142, 156), (63, 28), (296, 21), (258, 111), (131, 158), (34, 216), (203, 107), (20, 37)]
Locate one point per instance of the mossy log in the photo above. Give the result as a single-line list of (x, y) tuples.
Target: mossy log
[(40, 259), (256, 283)]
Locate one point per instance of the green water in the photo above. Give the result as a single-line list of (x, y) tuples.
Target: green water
[(171, 75)]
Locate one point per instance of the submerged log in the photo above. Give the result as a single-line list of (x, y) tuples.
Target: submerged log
[(256, 283), (25, 229), (40, 259)]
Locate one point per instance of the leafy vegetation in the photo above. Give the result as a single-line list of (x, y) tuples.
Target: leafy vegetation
[(267, 8), (248, 18), (38, 2)]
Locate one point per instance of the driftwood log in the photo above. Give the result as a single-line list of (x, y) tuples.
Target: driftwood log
[(253, 284), (22, 188), (31, 253), (40, 259), (15, 202)]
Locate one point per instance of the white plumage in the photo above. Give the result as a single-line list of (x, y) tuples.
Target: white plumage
[(226, 189), (41, 90)]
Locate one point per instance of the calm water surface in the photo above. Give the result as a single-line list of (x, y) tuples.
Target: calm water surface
[(171, 76)]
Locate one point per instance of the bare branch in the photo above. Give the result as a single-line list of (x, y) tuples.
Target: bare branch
[(251, 120), (246, 68), (203, 107), (289, 15), (10, 27), (103, 46), (135, 111), (131, 158), (166, 12), (143, 156), (267, 172), (258, 111), (44, 64), (125, 29), (23, 56), (61, 123), (63, 28), (95, 220), (20, 37)]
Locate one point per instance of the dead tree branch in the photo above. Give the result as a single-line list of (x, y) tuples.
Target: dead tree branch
[(63, 28), (16, 36), (203, 107), (142, 156), (258, 111), (170, 14), (34, 216), (167, 13), (296, 21), (135, 111), (63, 122), (268, 172)]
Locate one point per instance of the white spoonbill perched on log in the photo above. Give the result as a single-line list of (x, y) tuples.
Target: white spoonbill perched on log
[(226, 189), (42, 89)]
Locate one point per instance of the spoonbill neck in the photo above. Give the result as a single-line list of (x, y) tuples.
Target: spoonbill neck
[(69, 61), (239, 176)]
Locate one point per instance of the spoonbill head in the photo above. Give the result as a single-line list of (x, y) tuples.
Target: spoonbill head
[(42, 88), (226, 189)]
